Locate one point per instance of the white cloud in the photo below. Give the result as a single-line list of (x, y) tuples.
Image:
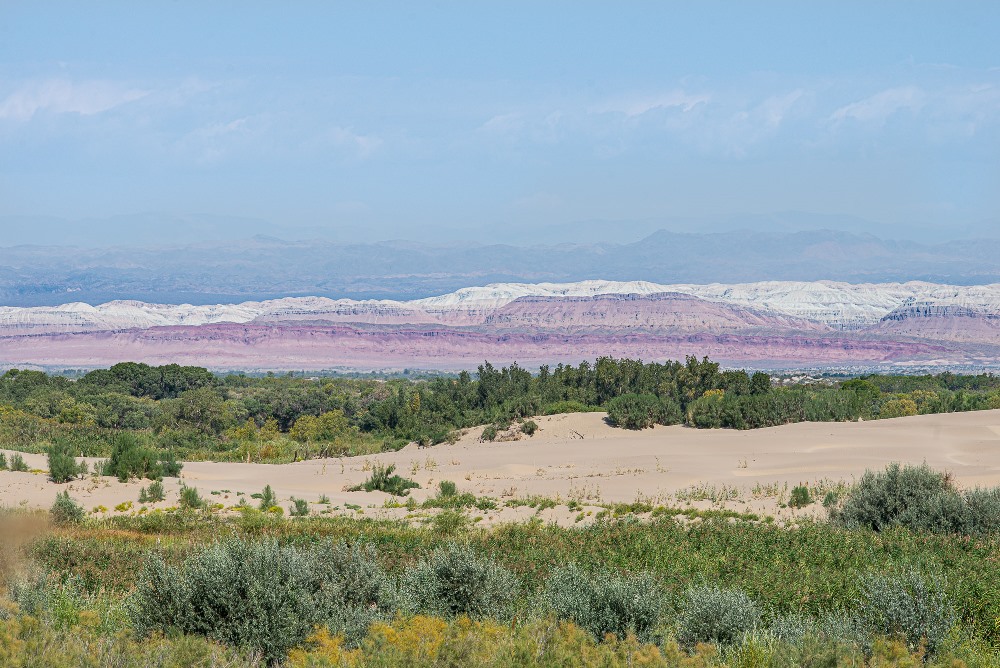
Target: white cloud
[(879, 107), (61, 96), (503, 123), (637, 106), (775, 109), (740, 126), (213, 142), (220, 129), (363, 145)]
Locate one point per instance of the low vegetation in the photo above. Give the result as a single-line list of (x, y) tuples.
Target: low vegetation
[(153, 493), (721, 591), (384, 479), (63, 467), (130, 459), (902, 573), (920, 499), (640, 411), (144, 419), (65, 510)]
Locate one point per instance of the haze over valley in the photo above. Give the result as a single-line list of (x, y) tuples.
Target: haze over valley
[(259, 268)]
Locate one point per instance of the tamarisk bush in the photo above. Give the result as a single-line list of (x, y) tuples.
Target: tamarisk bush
[(262, 596), (717, 615), (921, 499), (456, 581), (606, 603)]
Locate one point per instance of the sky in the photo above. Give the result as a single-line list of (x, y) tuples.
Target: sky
[(438, 120)]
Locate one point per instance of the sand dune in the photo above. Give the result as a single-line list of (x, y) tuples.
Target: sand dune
[(578, 456)]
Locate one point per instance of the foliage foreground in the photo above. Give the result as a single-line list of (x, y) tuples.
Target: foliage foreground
[(264, 591)]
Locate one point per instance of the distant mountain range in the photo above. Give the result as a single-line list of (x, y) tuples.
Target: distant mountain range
[(262, 268), (773, 324)]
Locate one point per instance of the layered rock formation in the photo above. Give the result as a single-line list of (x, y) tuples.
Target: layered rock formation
[(768, 324)]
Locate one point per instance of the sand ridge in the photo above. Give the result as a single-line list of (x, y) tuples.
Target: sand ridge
[(578, 456)]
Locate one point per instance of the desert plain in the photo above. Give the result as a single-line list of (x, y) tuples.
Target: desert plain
[(578, 458)]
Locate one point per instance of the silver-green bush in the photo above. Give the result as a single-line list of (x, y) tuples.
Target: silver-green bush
[(353, 589), (983, 510), (605, 602), (263, 597), (457, 581), (909, 606), (833, 627), (256, 596), (921, 499), (716, 615)]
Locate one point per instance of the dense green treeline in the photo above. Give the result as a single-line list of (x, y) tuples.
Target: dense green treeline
[(193, 413)]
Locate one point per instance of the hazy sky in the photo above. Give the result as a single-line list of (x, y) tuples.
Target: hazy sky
[(398, 117)]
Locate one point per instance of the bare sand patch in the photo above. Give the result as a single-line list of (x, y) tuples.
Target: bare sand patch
[(578, 457)]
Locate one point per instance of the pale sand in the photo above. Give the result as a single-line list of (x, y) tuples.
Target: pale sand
[(580, 457)]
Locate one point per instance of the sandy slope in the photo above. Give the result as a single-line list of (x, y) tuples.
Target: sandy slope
[(578, 456)]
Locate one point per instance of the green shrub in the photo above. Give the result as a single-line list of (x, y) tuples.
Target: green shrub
[(895, 408), (268, 498), (982, 511), (190, 498), (17, 463), (907, 606), (640, 411), (606, 603), (800, 497), (447, 489), (838, 628), (169, 466), (449, 521), (383, 480), (62, 465), (920, 499), (299, 508), (634, 411), (263, 597), (65, 510), (153, 493), (455, 581), (716, 615), (354, 588), (130, 459), (485, 503), (489, 433), (54, 600), (529, 427), (259, 597), (3, 461), (830, 500)]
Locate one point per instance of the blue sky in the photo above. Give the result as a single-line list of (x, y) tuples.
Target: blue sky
[(410, 119)]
